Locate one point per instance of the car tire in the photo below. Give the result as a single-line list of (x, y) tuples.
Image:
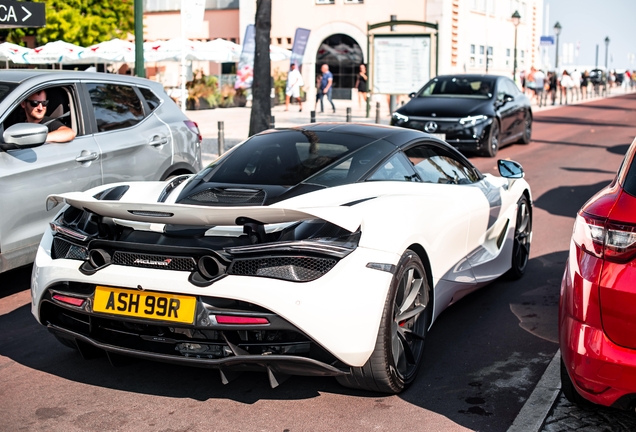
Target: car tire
[(527, 129), (395, 361), (521, 241), (569, 391), (492, 145)]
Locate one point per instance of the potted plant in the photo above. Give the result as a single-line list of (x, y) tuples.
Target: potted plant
[(203, 92)]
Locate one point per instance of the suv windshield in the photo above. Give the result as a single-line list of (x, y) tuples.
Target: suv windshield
[(283, 158), (5, 89), (463, 87)]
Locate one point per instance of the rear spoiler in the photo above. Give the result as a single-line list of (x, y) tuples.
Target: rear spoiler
[(183, 214)]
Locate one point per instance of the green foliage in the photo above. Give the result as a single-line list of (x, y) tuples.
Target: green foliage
[(203, 87), (280, 84), (81, 22)]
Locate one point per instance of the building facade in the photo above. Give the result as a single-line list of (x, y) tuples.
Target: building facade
[(475, 36)]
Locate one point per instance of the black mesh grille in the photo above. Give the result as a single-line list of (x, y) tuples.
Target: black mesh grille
[(298, 269), (64, 249), (161, 262), (229, 196)]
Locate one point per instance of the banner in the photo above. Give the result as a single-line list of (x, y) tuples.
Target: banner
[(298, 49), (192, 12), (245, 72)]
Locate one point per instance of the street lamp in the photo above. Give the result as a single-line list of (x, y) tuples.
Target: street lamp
[(607, 41), (557, 31), (515, 20)]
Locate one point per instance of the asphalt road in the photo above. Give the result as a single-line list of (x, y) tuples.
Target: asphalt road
[(482, 361)]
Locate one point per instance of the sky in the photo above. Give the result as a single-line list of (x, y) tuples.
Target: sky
[(588, 22)]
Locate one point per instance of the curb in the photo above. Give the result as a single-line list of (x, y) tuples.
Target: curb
[(534, 412)]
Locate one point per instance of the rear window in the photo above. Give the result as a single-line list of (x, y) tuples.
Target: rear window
[(116, 106), (152, 99), (283, 158)]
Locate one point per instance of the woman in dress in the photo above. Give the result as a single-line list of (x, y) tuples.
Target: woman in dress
[(361, 85)]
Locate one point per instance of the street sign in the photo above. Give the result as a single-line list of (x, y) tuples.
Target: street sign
[(546, 41), (15, 14), (401, 63)]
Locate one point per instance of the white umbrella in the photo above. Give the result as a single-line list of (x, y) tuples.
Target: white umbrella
[(53, 52), (278, 53), (13, 52), (115, 50), (170, 50), (218, 50)]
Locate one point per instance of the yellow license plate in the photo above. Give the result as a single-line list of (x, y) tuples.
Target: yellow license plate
[(142, 304)]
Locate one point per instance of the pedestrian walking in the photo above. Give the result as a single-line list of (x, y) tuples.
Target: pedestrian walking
[(566, 85), (576, 86), (539, 82), (552, 85), (530, 85), (294, 83), (326, 87), (361, 84), (585, 82)]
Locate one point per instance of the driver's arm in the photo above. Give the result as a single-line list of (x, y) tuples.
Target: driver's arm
[(61, 135)]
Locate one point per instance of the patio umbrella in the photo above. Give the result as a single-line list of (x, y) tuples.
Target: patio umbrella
[(278, 53), (53, 52), (13, 52), (170, 50), (218, 50), (115, 50)]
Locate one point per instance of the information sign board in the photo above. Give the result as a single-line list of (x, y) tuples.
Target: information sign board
[(401, 63)]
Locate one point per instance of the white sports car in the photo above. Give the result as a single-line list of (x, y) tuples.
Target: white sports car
[(327, 249)]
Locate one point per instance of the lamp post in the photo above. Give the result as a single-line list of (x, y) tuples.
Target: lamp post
[(557, 32), (607, 41), (515, 20)]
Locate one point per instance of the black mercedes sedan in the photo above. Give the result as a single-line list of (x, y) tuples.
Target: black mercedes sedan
[(473, 113)]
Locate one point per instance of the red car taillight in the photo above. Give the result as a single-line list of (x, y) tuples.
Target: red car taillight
[(194, 128), (608, 240)]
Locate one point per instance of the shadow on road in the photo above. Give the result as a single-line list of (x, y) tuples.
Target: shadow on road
[(462, 365), (13, 281), (567, 200), (588, 170), (620, 149)]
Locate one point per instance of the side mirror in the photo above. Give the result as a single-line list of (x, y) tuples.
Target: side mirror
[(510, 169), (508, 98), (412, 95), (25, 135)]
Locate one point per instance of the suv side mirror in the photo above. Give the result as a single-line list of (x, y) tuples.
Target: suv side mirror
[(510, 169), (412, 95), (25, 135)]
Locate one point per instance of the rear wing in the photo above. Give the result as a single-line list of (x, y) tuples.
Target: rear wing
[(183, 214)]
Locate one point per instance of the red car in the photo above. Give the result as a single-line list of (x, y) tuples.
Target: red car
[(597, 309)]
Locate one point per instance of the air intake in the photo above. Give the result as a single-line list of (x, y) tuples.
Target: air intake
[(229, 197)]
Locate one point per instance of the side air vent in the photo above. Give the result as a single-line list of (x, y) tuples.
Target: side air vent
[(229, 197), (295, 269), (64, 249)]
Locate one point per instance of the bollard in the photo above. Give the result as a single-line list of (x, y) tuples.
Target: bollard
[(312, 117), (348, 114), (272, 122), (221, 138), (377, 112)]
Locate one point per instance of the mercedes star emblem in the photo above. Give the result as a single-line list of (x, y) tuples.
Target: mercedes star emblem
[(430, 127)]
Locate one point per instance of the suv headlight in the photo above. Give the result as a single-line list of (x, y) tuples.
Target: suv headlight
[(400, 118), (473, 120)]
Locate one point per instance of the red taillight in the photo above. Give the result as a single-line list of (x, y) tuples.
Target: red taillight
[(194, 128), (609, 240), (231, 319), (73, 301)]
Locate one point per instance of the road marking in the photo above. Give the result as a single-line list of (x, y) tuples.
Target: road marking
[(536, 409)]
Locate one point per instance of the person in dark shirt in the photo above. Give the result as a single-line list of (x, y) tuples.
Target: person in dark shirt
[(35, 109), (326, 87)]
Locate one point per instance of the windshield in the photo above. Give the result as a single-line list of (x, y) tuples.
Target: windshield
[(5, 89), (283, 158), (462, 87)]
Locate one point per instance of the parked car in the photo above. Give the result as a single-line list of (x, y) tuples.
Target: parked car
[(473, 113), (326, 249), (597, 324), (126, 129)]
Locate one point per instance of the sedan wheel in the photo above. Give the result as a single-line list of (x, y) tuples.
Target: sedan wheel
[(521, 245), (394, 363), (527, 129), (492, 146)]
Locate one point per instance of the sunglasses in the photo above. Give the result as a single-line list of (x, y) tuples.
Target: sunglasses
[(35, 103)]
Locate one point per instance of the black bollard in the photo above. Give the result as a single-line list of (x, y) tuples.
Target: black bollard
[(272, 122), (377, 112), (221, 138), (348, 114), (312, 117)]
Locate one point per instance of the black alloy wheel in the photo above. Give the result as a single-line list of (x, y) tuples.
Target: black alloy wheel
[(408, 311), (521, 242), (527, 129), (492, 145)]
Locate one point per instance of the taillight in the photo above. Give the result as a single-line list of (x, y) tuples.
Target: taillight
[(240, 320), (194, 128), (609, 240), (589, 234), (73, 301)]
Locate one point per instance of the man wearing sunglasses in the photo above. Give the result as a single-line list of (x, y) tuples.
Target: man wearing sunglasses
[(35, 109)]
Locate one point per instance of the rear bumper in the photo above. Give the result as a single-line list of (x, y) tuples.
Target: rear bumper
[(601, 371), (282, 364)]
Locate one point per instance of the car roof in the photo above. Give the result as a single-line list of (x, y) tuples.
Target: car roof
[(395, 135), (470, 76), (19, 76)]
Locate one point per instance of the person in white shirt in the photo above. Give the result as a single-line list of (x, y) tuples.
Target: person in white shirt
[(294, 83), (566, 85), (539, 82), (576, 86)]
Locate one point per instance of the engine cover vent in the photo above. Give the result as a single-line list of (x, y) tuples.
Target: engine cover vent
[(229, 197)]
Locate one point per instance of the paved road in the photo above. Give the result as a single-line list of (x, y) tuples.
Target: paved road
[(483, 358)]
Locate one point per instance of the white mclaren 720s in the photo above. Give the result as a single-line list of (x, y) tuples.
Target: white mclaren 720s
[(327, 249)]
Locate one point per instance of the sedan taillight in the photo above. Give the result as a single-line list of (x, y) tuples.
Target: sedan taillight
[(604, 239)]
